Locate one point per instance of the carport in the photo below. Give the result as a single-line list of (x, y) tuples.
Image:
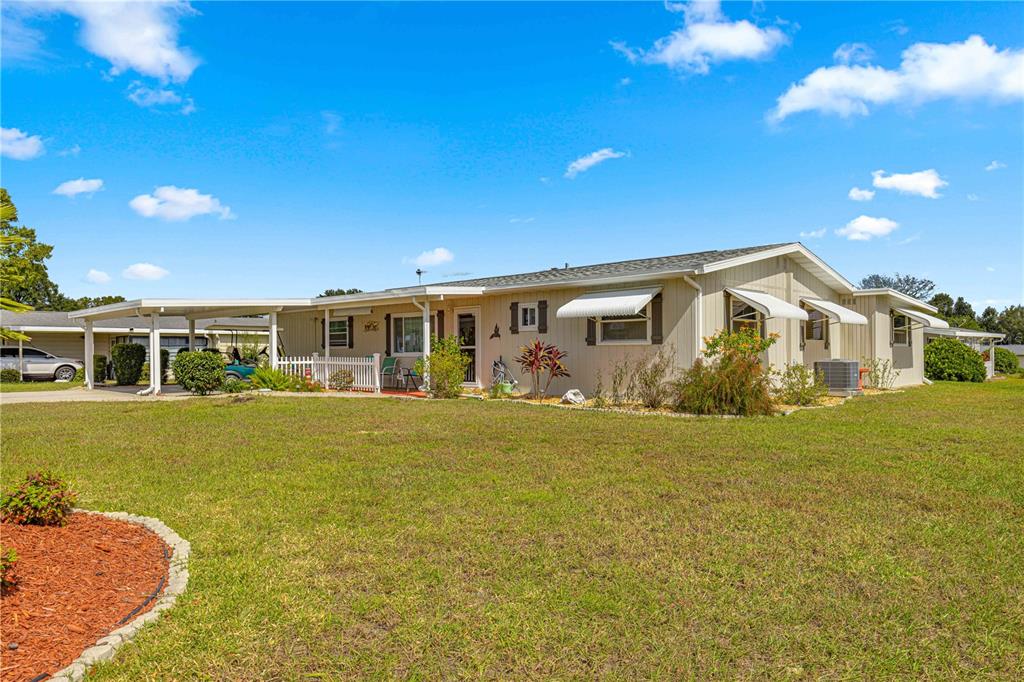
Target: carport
[(192, 309)]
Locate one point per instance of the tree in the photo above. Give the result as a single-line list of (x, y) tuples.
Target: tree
[(944, 304), (917, 287), (1011, 323), (339, 292), (962, 308), (989, 319)]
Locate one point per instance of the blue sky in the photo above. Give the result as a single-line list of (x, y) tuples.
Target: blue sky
[(250, 149)]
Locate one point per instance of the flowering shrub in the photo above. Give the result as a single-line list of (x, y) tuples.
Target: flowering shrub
[(43, 499), (746, 342), (729, 379)]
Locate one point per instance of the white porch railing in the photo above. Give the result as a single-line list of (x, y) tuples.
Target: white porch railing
[(365, 370)]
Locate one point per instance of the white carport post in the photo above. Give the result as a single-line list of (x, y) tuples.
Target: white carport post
[(426, 342), (154, 353), (191, 335), (273, 340), (991, 357), (90, 348)]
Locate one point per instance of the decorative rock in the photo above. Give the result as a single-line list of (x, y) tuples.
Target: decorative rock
[(574, 397)]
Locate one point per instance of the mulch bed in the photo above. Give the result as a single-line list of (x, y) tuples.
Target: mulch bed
[(75, 585)]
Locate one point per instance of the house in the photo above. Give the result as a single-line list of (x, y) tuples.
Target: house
[(600, 314), (60, 335)]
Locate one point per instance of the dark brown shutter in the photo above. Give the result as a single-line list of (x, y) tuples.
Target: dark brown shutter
[(892, 329), (440, 324), (591, 331), (656, 335), (804, 326), (542, 317), (351, 331), (322, 321), (514, 327), (387, 335)]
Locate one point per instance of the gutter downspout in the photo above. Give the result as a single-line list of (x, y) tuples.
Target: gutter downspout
[(698, 346)]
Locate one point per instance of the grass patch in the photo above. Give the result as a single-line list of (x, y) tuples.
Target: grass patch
[(380, 538), (32, 386)]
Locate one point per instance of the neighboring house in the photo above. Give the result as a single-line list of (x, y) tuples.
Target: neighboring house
[(59, 335), (600, 314)]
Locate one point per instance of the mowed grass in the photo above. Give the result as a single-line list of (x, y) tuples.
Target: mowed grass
[(30, 386), (346, 538)]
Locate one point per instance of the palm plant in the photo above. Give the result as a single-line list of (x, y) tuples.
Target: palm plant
[(539, 357)]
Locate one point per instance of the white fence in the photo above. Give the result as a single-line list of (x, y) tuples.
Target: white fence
[(365, 371)]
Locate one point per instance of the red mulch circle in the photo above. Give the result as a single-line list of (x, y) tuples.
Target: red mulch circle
[(75, 585)]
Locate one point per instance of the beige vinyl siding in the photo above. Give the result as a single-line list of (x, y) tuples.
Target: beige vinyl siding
[(873, 340)]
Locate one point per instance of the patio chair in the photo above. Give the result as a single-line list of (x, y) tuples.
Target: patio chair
[(389, 368)]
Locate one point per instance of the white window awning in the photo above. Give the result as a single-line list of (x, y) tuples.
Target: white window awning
[(607, 303), (924, 318), (835, 312), (769, 305)]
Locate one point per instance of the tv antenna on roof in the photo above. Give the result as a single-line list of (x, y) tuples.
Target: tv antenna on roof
[(419, 275)]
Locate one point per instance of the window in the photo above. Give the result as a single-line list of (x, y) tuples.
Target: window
[(624, 328), (742, 315), (9, 353), (339, 333), (33, 353), (407, 334), (528, 317), (816, 327), (900, 330)]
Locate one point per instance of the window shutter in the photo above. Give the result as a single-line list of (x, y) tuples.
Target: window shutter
[(514, 327), (591, 331), (351, 331), (322, 320), (892, 332), (387, 335), (656, 336), (803, 334), (826, 325), (542, 317), (910, 333), (440, 324)]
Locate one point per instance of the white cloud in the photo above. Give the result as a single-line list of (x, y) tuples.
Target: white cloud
[(922, 183), (15, 144), (707, 37), (973, 197), (972, 69), (73, 188), (332, 122), (585, 163), (990, 269), (146, 271), (625, 81), (73, 150), (139, 36), (908, 240), (863, 228), (995, 165), (175, 203), (189, 107), (152, 97), (815, 234), (858, 194), (98, 276), (433, 257), (516, 221), (853, 53), (21, 42)]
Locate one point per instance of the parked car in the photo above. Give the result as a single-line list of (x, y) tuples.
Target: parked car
[(38, 364)]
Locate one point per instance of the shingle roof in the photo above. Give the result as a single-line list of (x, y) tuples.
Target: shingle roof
[(44, 318), (642, 266)]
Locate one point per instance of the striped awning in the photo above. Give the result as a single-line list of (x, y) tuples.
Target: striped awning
[(607, 303), (769, 305), (835, 312)]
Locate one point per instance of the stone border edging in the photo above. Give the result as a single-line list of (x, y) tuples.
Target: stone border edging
[(177, 580)]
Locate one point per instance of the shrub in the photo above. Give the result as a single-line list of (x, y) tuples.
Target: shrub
[(730, 384), (8, 558), (800, 385), (538, 358), (197, 372), (881, 374), (9, 376), (950, 360), (651, 377), (273, 379), (600, 398), (43, 499), (446, 366), (1006, 361), (236, 386), (746, 342), (165, 363), (99, 368), (623, 389), (127, 359), (79, 375)]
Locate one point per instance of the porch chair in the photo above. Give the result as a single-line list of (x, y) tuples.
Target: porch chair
[(389, 368)]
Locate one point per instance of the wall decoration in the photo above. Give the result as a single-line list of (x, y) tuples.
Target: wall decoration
[(370, 326), (496, 334)]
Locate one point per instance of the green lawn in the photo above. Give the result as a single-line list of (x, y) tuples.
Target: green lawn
[(29, 386), (338, 538)]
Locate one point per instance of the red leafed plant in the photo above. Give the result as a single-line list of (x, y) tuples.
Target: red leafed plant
[(539, 357)]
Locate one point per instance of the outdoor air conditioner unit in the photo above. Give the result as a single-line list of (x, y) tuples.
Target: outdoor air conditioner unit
[(841, 376)]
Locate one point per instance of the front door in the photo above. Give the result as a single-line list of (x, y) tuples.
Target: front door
[(466, 329)]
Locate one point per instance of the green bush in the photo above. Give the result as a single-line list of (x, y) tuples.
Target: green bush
[(729, 379), (800, 385), (446, 366), (79, 375), (236, 386), (99, 368), (127, 359), (273, 379), (9, 376), (950, 360), (43, 499), (199, 372), (8, 558), (1006, 361)]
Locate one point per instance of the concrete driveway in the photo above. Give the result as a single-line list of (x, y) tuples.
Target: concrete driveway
[(105, 394)]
